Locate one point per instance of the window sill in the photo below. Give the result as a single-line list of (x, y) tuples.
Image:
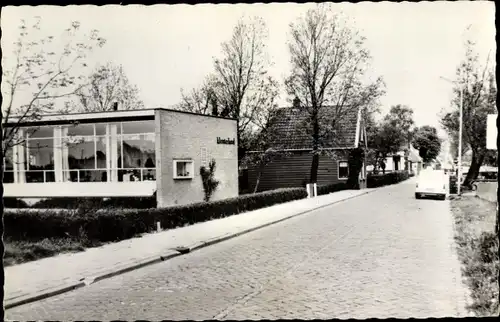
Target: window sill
[(183, 178)]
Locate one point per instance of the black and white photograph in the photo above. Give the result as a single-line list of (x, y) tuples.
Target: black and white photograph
[(249, 161)]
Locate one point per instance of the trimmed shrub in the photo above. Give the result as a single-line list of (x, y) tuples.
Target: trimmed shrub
[(326, 189), (113, 224), (95, 203), (379, 180)]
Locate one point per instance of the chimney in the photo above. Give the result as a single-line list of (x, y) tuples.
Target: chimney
[(296, 102), (115, 106)]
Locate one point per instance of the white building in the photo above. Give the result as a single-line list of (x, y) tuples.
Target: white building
[(134, 153)]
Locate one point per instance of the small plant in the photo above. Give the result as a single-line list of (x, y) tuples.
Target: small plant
[(210, 184)]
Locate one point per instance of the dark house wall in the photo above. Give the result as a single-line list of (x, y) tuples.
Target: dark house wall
[(294, 171)]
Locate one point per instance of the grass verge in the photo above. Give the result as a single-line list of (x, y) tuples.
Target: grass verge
[(18, 252), (478, 252)]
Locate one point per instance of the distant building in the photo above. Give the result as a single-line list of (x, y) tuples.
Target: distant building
[(414, 161), (133, 153), (292, 134)]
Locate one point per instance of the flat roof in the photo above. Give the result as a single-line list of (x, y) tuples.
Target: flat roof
[(89, 117)]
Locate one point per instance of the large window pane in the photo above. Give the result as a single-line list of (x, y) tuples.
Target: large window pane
[(81, 129), (139, 151), (8, 160), (138, 127), (8, 175), (81, 152), (41, 154), (40, 132), (101, 152), (92, 175), (138, 157), (100, 128), (40, 160)]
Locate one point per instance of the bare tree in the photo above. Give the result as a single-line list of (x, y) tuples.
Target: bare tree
[(263, 138), (42, 74), (201, 100), (108, 84), (239, 86), (328, 62)]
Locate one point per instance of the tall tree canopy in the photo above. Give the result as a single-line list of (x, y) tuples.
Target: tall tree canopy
[(479, 99), (427, 142), (240, 86), (108, 84), (391, 135), (329, 61), (401, 117)]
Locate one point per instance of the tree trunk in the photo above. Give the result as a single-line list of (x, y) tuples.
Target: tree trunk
[(313, 178), (314, 168), (477, 160), (258, 180)]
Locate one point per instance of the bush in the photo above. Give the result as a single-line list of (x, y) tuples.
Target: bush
[(210, 184), (326, 189), (113, 224), (379, 180)]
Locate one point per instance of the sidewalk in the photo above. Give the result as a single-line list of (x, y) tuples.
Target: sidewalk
[(36, 280)]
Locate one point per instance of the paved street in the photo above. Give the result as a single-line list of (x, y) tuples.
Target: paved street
[(384, 254)]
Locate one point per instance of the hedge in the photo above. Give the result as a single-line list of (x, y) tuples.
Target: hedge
[(98, 203), (9, 202), (113, 224), (379, 180), (326, 189)]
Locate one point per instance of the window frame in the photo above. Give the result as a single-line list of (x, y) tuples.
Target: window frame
[(338, 169), (191, 168)]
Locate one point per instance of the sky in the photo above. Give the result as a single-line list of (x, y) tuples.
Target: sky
[(164, 48)]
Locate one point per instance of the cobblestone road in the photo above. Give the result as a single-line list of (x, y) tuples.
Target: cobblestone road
[(383, 254)]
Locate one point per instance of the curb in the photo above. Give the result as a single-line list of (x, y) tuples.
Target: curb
[(43, 295), (155, 259), (140, 264), (87, 281)]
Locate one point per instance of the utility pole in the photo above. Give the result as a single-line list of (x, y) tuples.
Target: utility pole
[(460, 141), (459, 179)]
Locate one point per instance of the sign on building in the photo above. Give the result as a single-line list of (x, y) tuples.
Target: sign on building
[(491, 132)]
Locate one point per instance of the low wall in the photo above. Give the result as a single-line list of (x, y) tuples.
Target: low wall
[(487, 191)]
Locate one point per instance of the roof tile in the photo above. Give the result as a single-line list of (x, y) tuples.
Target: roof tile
[(291, 129)]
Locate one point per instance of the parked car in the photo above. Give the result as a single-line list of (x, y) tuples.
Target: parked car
[(432, 183)]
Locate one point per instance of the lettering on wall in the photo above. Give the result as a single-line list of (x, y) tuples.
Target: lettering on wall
[(225, 141)]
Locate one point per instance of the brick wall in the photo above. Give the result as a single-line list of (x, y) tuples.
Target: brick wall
[(184, 136)]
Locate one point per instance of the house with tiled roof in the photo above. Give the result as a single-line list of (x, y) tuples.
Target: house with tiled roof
[(340, 133)]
